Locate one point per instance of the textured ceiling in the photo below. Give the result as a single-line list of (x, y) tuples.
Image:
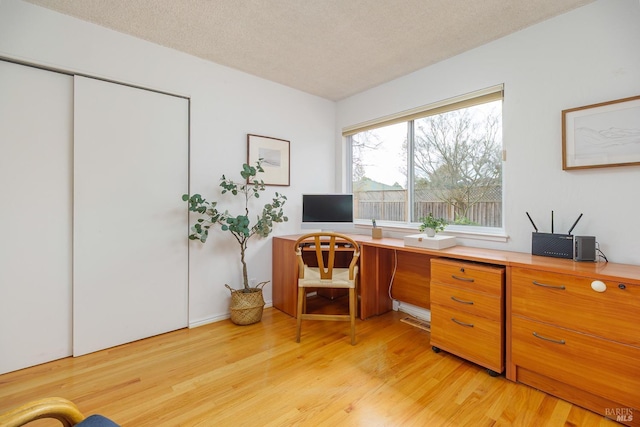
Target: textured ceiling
[(329, 48)]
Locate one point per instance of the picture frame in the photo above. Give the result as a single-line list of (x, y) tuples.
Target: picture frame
[(276, 157), (601, 135)]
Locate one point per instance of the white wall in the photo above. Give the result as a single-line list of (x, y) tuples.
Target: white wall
[(586, 56), (225, 106)]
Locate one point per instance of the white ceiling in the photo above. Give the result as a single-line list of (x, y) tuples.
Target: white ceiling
[(329, 48)]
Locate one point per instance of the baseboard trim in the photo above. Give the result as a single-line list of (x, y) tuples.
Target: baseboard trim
[(217, 318)]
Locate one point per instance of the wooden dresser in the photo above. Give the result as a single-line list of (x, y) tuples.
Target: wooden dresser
[(578, 338), (467, 311)]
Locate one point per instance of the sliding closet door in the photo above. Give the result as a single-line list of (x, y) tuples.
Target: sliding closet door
[(35, 217), (130, 224)]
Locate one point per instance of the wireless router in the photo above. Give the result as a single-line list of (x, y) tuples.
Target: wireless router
[(552, 244)]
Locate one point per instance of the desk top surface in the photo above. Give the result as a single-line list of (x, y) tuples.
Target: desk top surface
[(603, 270)]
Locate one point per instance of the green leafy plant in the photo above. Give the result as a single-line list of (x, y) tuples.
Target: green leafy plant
[(436, 224), (239, 226), (464, 221)]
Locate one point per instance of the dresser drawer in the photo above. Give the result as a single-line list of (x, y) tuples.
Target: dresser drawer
[(457, 298), (476, 277), (569, 301), (596, 365), (474, 338)]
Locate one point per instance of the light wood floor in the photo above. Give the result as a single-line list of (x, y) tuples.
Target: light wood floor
[(226, 375)]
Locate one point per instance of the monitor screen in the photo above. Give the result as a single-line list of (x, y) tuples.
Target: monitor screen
[(327, 211)]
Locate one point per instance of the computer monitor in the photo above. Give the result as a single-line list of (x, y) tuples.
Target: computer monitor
[(329, 212)]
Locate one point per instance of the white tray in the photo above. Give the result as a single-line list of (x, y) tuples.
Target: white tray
[(424, 241)]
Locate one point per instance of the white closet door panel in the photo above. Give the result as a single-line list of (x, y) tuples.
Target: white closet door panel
[(35, 218), (130, 251)]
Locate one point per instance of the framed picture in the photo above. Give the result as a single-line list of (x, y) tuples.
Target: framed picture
[(275, 157), (601, 135)]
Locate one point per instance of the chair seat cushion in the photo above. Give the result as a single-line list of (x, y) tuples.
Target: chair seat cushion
[(97, 421), (340, 278)]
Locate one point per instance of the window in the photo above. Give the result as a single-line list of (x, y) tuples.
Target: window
[(444, 159)]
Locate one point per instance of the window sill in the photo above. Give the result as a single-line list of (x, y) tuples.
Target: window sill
[(397, 231)]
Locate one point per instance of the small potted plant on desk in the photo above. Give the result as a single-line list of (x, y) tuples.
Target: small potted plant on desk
[(431, 225), (428, 239), (246, 303)]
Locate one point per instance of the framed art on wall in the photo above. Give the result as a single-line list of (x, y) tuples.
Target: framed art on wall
[(275, 157), (601, 135)]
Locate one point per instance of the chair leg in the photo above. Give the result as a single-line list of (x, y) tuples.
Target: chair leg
[(302, 296), (352, 313)]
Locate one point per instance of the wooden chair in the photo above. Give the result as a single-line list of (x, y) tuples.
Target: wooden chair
[(327, 275), (57, 408)]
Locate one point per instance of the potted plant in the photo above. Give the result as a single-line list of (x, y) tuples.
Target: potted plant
[(246, 303), (432, 225)]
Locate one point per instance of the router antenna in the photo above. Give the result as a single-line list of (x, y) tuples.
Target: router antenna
[(551, 222), (532, 223), (574, 224)]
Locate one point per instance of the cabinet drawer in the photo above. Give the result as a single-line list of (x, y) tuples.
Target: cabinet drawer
[(596, 365), (476, 277), (570, 302), (477, 303), (474, 338)]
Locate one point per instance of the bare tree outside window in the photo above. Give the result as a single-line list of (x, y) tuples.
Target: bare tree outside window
[(458, 159), (361, 143), (379, 184)]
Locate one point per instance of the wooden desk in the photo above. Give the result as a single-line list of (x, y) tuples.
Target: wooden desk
[(381, 261), (595, 362), (376, 270), (412, 276)]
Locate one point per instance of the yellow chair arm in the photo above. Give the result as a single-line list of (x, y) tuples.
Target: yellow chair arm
[(59, 408)]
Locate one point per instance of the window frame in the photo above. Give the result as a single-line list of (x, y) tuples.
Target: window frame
[(493, 93)]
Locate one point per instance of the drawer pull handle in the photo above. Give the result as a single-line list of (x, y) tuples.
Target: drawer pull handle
[(461, 301), (464, 279), (535, 334), (544, 285), (468, 325)]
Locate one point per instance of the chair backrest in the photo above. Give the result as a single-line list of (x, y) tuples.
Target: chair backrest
[(325, 244)]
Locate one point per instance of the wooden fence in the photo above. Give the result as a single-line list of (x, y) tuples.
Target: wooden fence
[(391, 205)]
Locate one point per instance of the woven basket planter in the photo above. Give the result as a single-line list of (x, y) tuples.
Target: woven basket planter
[(246, 307)]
